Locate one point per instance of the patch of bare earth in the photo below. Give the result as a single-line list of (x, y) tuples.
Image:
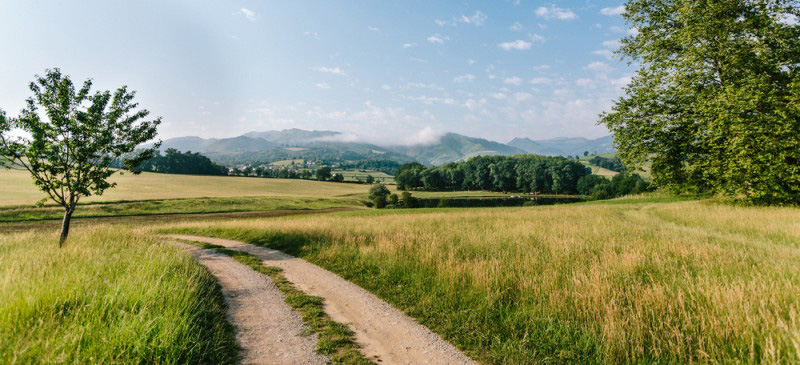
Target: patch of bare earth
[(267, 329), (386, 334)]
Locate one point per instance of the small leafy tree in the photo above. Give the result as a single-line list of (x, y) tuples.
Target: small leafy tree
[(338, 177), (394, 199), (72, 137), (407, 201), (370, 179), (324, 173), (378, 194)]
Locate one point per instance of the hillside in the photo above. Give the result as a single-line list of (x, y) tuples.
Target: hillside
[(455, 147), (268, 146), (565, 146)]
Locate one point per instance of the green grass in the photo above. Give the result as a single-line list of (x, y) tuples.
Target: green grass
[(175, 206), (17, 188), (109, 296), (334, 339), (299, 162), (634, 282)]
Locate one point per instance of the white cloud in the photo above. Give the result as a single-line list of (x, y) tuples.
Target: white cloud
[(476, 19), (426, 136), (515, 45), (323, 86), (464, 78), (437, 39), (619, 10), (522, 96), (330, 70), (386, 87), (409, 45), (541, 81), (541, 68), (614, 43), (599, 67), (535, 38), (554, 12), (471, 62), (605, 53), (314, 35), (249, 14), (584, 82), (513, 81), (374, 29), (516, 27), (498, 96)]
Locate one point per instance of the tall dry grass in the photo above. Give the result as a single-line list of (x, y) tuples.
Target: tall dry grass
[(674, 282), (109, 296)]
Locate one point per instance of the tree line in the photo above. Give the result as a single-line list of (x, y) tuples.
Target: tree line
[(524, 173), (177, 162)]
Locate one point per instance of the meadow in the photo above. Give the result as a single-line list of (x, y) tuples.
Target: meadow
[(680, 281), (111, 295), (18, 188)]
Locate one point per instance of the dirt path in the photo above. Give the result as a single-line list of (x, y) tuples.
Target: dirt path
[(268, 330), (385, 334)]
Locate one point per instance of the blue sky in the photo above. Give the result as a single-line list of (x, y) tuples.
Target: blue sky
[(380, 71)]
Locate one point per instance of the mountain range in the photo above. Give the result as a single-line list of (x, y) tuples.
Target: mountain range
[(254, 147)]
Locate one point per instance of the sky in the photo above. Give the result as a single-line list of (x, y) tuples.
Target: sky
[(387, 72)]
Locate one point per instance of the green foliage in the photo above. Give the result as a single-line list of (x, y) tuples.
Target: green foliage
[(598, 187), (394, 199), (525, 173), (378, 190), (715, 102), (370, 179), (324, 173), (337, 178), (407, 201), (176, 162), (74, 143), (613, 164)]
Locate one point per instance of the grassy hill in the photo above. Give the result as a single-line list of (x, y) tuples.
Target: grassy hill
[(565, 146), (638, 282), (455, 147)]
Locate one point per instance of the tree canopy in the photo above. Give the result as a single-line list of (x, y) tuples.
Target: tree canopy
[(715, 103), (70, 139)]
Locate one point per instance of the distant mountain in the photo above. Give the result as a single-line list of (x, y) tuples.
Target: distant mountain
[(292, 136), (565, 146), (263, 147), (217, 146), (455, 147)]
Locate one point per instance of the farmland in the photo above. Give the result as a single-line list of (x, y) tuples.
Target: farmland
[(669, 282)]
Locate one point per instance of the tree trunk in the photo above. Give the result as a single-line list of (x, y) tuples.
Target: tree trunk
[(65, 226)]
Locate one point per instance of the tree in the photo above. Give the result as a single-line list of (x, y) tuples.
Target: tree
[(370, 179), (407, 201), (394, 200), (585, 153), (324, 173), (715, 103), (337, 177), (70, 147), (378, 194)]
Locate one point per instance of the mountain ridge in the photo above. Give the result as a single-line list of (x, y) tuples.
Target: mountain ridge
[(258, 146)]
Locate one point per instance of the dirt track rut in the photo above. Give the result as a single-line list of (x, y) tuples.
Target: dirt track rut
[(386, 334)]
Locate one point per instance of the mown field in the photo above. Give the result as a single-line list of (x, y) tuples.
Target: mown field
[(671, 282), (18, 188), (109, 296)]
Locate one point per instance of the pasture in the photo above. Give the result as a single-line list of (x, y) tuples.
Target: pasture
[(18, 188), (110, 296), (689, 281)]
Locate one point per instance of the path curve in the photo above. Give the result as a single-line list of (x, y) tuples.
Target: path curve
[(386, 334), (267, 328)]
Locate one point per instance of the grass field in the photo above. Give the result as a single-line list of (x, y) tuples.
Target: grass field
[(175, 206), (615, 283), (108, 297), (18, 189)]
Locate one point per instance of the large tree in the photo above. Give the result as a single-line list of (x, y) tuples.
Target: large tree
[(716, 100), (68, 139)]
